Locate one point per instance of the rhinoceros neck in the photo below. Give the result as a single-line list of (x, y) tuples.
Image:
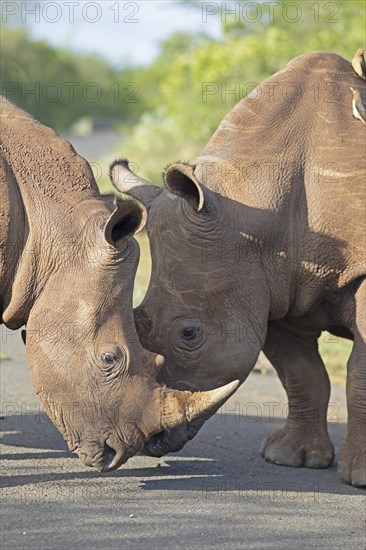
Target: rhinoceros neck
[(50, 194), (283, 159)]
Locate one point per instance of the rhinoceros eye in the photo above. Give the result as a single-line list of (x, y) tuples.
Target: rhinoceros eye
[(189, 333), (113, 363), (109, 358)]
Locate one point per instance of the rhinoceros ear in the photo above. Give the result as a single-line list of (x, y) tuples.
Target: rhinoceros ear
[(181, 181), (127, 181), (128, 217)]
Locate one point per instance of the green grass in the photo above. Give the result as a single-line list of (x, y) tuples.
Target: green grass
[(144, 269), (335, 352), (4, 357)]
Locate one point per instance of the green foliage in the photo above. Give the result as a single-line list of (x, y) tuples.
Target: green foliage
[(197, 80), (335, 352), (58, 86), (170, 109)]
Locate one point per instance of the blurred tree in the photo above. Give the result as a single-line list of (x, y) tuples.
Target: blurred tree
[(170, 109), (58, 86), (198, 80)]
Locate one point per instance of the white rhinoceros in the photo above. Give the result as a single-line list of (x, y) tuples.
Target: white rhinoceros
[(67, 265), (259, 244)]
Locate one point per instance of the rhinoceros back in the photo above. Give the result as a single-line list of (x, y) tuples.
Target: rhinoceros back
[(43, 182), (292, 148)]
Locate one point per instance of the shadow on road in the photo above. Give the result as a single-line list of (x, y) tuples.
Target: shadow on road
[(222, 460)]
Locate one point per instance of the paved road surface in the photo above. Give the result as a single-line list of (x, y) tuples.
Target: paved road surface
[(96, 145), (217, 493)]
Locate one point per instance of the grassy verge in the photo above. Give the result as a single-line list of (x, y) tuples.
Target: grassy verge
[(335, 352), (144, 269)]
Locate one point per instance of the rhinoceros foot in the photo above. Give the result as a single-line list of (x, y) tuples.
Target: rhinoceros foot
[(352, 462), (299, 447)]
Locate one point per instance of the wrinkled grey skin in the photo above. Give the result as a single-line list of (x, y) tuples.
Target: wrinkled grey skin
[(67, 265), (259, 244)]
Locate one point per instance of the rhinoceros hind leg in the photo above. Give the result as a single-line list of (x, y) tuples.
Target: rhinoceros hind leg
[(352, 460), (304, 441)]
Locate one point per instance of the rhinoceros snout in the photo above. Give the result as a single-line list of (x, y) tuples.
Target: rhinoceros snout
[(158, 445), (171, 441), (105, 459)]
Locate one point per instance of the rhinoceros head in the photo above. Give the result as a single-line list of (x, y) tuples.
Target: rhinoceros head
[(95, 380), (70, 262), (193, 314), (93, 377)]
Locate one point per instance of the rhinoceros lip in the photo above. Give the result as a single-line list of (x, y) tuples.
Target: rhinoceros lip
[(112, 461), (115, 459), (107, 459)]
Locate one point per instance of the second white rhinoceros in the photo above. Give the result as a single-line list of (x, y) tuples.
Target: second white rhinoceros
[(259, 244)]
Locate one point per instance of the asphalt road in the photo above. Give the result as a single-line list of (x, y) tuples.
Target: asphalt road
[(217, 493)]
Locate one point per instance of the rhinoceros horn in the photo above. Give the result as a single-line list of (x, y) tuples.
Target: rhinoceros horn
[(177, 408), (127, 181)]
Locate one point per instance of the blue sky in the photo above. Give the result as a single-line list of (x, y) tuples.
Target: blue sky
[(124, 32)]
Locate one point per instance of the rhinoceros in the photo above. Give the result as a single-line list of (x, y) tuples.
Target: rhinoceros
[(259, 244), (67, 265)]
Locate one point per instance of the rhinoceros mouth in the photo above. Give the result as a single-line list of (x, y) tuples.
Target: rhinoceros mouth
[(158, 445), (171, 441), (113, 459), (107, 459)]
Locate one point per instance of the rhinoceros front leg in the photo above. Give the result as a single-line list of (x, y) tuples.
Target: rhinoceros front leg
[(352, 460), (304, 441)]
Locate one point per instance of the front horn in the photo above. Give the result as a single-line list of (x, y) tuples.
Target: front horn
[(126, 181), (180, 407)]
